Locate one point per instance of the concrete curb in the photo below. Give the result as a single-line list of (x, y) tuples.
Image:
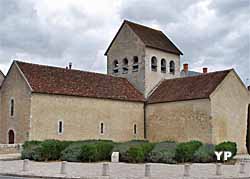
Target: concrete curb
[(93, 177)]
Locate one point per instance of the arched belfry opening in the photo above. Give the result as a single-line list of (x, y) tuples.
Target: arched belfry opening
[(248, 130)]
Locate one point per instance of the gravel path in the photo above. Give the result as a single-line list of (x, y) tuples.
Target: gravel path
[(122, 170)]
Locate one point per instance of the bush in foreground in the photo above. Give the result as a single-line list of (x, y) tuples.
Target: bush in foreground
[(95, 152), (205, 154), (29, 149), (124, 147), (72, 153), (163, 152), (185, 151), (227, 146)]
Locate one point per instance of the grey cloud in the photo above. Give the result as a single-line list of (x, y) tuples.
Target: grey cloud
[(210, 33)]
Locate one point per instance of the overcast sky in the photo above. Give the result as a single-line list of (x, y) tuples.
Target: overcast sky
[(213, 34)]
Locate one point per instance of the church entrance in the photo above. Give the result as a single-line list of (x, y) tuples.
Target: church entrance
[(248, 129), (11, 136)]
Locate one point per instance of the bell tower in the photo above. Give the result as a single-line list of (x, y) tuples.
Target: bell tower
[(143, 55)]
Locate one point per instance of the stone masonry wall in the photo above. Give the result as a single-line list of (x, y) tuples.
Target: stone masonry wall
[(152, 78), (82, 118), (179, 121), (127, 45), (229, 112), (15, 88)]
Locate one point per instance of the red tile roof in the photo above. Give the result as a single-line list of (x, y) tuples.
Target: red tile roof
[(187, 88), (54, 80), (151, 38)]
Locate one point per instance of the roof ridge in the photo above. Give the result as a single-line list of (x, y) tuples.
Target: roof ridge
[(2, 73), (56, 67), (127, 21), (200, 75)]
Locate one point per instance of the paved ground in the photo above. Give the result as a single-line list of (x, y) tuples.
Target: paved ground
[(122, 170), (9, 177)]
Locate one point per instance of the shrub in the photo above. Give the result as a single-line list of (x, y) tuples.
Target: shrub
[(163, 152), (104, 150), (88, 153), (227, 146), (44, 151), (139, 153), (205, 154), (136, 154), (72, 153), (123, 148), (186, 150), (96, 151), (28, 149)]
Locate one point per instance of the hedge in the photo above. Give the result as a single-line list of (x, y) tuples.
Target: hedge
[(227, 146), (163, 152), (205, 154), (136, 151), (185, 151)]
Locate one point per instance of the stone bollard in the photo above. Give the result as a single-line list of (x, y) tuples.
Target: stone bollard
[(105, 169), (242, 167), (147, 170), (25, 165), (115, 157), (63, 168), (187, 170), (218, 169)]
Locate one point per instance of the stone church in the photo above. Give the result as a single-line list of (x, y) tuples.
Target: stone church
[(144, 95)]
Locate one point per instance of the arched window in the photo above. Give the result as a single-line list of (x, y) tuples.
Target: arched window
[(163, 65), (135, 64), (102, 128), (154, 63), (115, 66), (135, 129), (172, 67), (12, 107), (125, 65)]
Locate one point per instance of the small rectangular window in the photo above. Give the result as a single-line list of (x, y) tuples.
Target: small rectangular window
[(101, 128), (135, 129), (60, 127)]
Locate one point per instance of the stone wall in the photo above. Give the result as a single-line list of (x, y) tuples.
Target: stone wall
[(127, 45), (1, 78), (10, 148), (152, 78), (82, 118), (15, 87), (229, 104), (179, 121)]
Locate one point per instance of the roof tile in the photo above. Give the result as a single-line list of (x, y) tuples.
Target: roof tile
[(54, 80), (187, 88)]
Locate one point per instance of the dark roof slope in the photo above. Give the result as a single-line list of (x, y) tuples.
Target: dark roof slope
[(187, 88), (151, 38), (54, 80)]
